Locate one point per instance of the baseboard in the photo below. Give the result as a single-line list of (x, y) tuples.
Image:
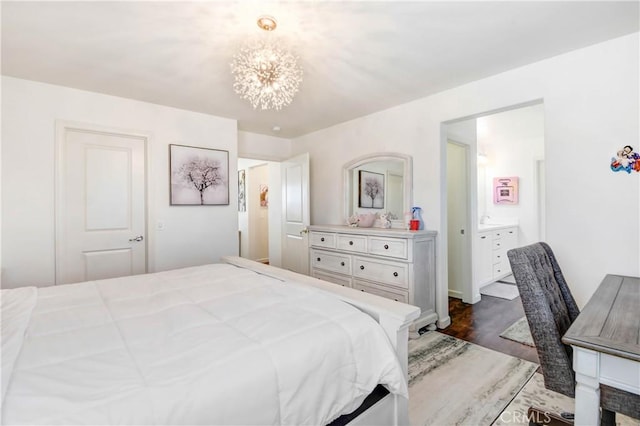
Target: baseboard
[(455, 293)]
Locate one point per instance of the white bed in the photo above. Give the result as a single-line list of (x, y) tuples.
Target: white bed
[(216, 344)]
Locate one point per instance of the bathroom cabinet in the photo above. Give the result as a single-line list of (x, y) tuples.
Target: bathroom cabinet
[(493, 242)]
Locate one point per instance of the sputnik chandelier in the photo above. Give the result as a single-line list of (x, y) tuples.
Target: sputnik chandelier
[(265, 73)]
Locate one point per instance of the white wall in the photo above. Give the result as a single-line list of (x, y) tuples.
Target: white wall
[(258, 214), (193, 235), (263, 147), (591, 110), (1, 127), (512, 141)]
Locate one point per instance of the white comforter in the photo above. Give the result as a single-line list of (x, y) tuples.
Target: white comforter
[(214, 344)]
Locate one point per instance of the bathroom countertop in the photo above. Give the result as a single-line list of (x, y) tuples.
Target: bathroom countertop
[(495, 226)]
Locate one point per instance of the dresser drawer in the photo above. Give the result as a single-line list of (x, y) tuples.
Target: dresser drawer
[(331, 261), (392, 247), (392, 273), (332, 278), (322, 239), (398, 296), (357, 243)]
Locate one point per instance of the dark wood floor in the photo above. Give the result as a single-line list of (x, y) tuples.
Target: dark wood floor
[(482, 323)]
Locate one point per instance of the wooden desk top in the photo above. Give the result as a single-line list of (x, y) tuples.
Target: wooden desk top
[(610, 322)]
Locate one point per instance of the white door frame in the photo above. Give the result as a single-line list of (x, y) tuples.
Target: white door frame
[(59, 206), (443, 284), (466, 293), (540, 179), (275, 206), (470, 294)]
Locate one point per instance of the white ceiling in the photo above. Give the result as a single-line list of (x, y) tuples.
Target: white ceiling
[(358, 57)]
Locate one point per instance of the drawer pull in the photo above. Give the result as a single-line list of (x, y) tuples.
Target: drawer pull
[(498, 244), (318, 259), (362, 267), (350, 243), (362, 290), (395, 274), (386, 246), (322, 239), (483, 237), (341, 263)]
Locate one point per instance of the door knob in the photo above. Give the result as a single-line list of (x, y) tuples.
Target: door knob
[(138, 238)]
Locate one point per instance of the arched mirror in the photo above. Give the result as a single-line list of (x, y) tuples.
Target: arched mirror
[(379, 183)]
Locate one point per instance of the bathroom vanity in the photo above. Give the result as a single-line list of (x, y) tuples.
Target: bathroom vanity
[(493, 242)]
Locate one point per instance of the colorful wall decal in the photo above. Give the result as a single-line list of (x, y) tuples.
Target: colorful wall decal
[(626, 160)]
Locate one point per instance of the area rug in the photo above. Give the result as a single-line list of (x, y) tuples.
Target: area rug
[(519, 332), (501, 290), (535, 394), (453, 382)]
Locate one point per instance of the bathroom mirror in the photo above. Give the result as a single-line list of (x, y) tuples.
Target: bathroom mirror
[(379, 183)]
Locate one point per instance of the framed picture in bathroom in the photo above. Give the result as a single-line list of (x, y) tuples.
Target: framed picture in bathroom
[(505, 190)]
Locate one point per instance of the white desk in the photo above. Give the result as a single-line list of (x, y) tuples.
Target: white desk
[(606, 348)]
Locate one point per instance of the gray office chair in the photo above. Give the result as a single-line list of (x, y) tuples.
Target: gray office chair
[(550, 310)]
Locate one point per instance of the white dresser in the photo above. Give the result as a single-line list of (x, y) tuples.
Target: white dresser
[(391, 263), (493, 243)]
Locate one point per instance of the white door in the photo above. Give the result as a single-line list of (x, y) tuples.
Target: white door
[(458, 259), (295, 214), (100, 208)]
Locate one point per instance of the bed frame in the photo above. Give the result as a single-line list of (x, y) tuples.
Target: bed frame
[(394, 318)]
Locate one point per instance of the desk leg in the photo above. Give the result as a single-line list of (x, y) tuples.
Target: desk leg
[(586, 364)]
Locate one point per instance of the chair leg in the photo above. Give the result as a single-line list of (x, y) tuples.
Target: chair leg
[(541, 417), (608, 418)]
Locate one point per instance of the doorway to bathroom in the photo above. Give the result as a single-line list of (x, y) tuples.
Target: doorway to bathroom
[(500, 193), (259, 210)]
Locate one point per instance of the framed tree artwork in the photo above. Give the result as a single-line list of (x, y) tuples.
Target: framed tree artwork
[(198, 176), (371, 190)]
